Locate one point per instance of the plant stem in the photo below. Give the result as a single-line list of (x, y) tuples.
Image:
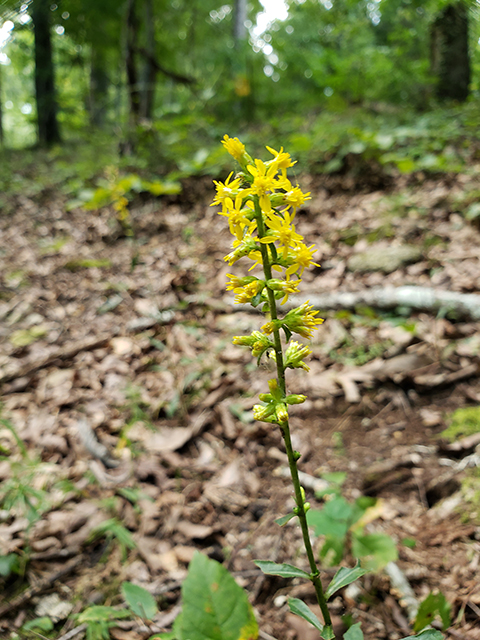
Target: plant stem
[(291, 454)]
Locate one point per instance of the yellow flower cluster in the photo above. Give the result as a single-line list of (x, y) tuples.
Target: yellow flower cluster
[(260, 204), (267, 184)]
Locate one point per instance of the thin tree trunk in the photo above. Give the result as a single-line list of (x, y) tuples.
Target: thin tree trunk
[(99, 83), (48, 130), (239, 19), (130, 62), (1, 107), (450, 59), (149, 70)]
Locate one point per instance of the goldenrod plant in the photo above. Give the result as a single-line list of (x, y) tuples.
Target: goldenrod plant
[(260, 204)]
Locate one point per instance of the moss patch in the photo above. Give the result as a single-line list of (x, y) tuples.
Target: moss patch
[(463, 422)]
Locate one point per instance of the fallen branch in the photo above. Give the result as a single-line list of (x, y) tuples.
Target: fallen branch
[(65, 352), (402, 588), (464, 305), (42, 585)]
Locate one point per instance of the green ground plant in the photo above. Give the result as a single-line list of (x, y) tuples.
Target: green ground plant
[(343, 523), (463, 422)]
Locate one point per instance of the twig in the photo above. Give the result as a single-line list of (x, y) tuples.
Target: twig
[(401, 585), (73, 632), (265, 635), (42, 585), (65, 352)]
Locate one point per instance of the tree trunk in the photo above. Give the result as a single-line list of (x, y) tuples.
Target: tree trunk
[(149, 69), (1, 107), (130, 62), (450, 59), (99, 83), (239, 19), (48, 131)]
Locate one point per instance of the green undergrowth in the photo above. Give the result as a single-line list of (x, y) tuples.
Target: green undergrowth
[(179, 146), (462, 422)]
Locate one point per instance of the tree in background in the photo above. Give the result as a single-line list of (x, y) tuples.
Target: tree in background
[(450, 56), (48, 130)]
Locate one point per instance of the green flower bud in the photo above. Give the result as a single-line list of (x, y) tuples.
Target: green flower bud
[(295, 398)]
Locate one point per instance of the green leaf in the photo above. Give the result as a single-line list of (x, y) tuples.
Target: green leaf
[(41, 624), (284, 519), (428, 634), (333, 550), (333, 520), (283, 570), (353, 633), (336, 477), (24, 337), (140, 601), (379, 547), (9, 564), (299, 608), (343, 577), (257, 298), (101, 613), (434, 603), (214, 606), (288, 333)]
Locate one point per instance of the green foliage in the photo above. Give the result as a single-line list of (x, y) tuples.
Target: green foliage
[(43, 624), (113, 530), (353, 633), (99, 619), (9, 564), (428, 634), (214, 606), (301, 609), (433, 605), (140, 601), (21, 493), (342, 522), (463, 422)]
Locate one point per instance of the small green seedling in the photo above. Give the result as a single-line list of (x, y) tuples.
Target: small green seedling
[(435, 604), (113, 530)]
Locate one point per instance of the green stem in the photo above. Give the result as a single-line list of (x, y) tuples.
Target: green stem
[(291, 454)]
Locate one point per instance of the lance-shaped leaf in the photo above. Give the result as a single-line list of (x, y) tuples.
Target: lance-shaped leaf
[(428, 634), (299, 608), (282, 570), (342, 578), (353, 633), (284, 519)]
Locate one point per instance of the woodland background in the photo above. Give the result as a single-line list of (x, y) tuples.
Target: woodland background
[(127, 440)]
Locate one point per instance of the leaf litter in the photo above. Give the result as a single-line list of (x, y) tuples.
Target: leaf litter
[(135, 409)]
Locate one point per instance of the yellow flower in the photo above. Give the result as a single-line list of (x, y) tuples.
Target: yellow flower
[(286, 286), (302, 320), (269, 327), (302, 259), (248, 292), (241, 248), (234, 147), (283, 159), (282, 230), (295, 198), (225, 190), (236, 214), (263, 182)]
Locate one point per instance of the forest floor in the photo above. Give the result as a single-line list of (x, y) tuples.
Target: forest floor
[(127, 343)]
